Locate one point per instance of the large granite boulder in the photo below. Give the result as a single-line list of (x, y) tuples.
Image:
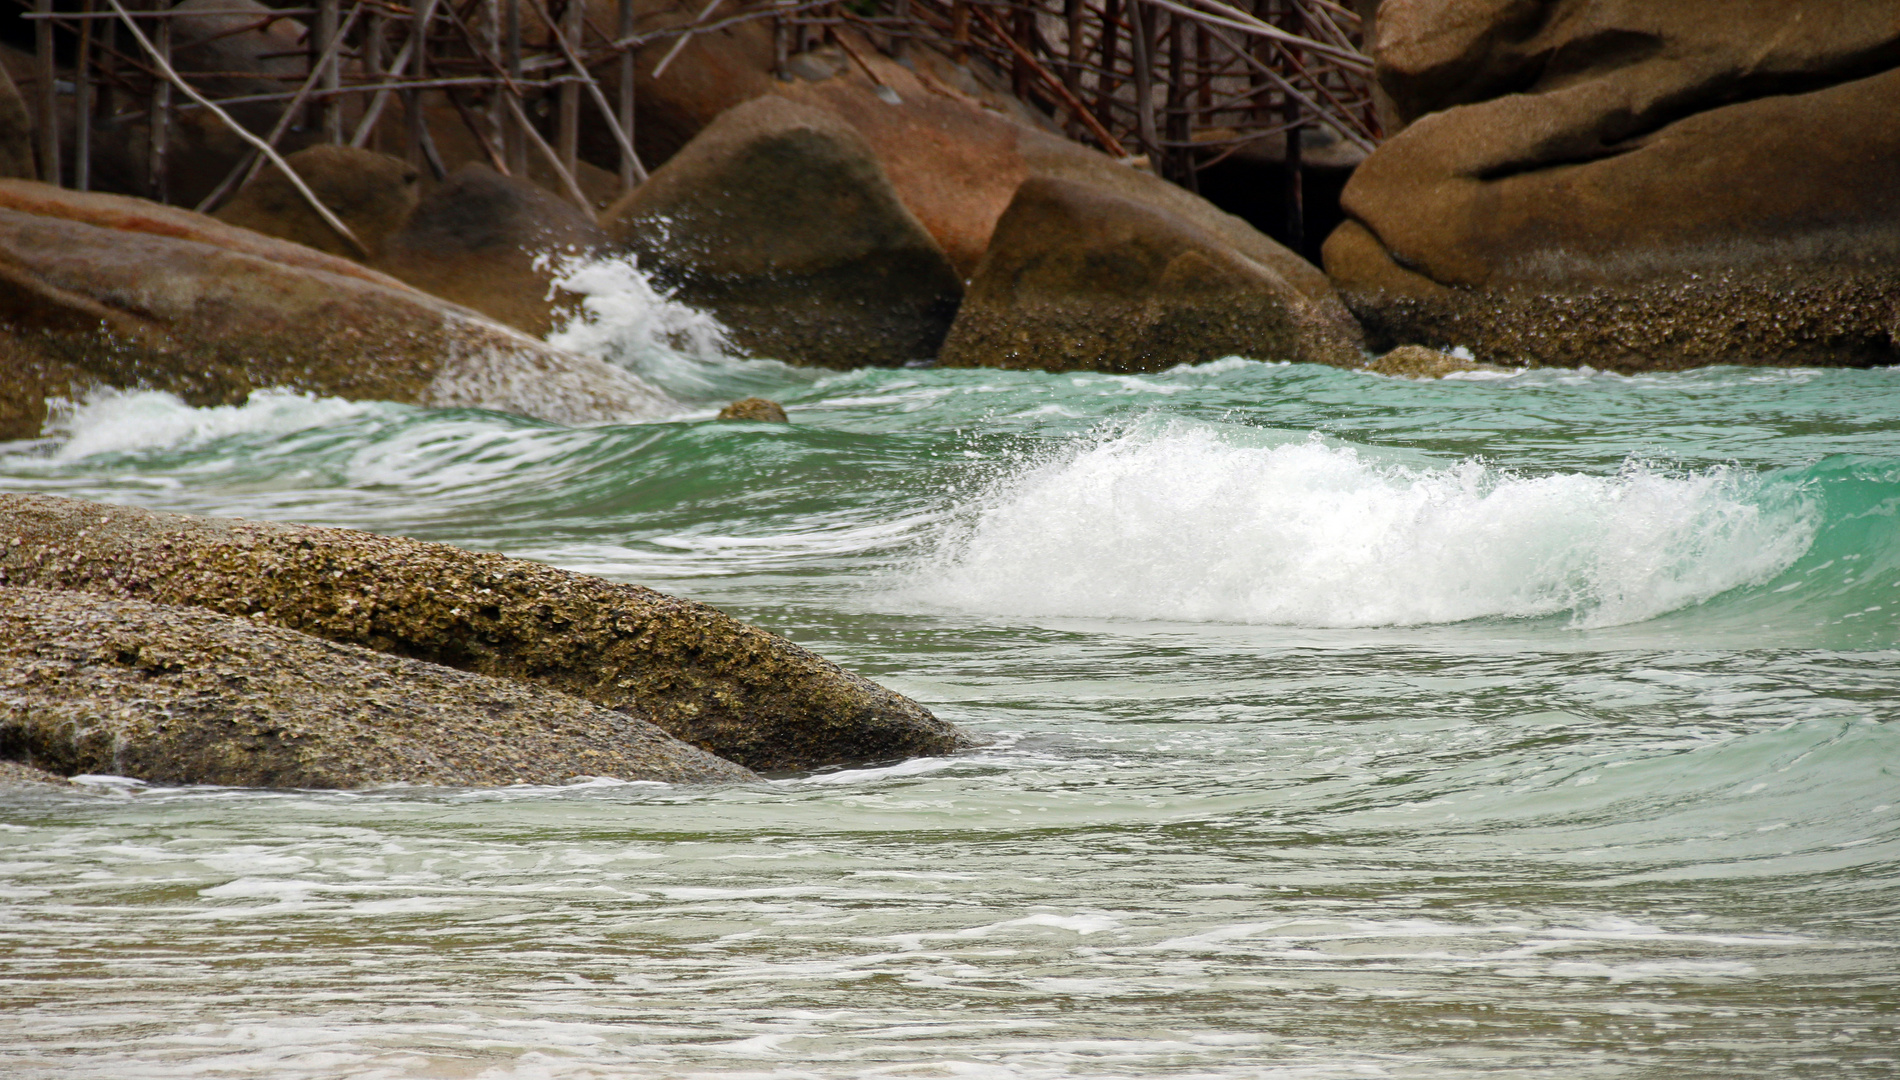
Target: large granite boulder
[(1633, 185), (733, 689), (779, 220), (373, 194), (115, 291), (182, 695), (1077, 278), (492, 243)]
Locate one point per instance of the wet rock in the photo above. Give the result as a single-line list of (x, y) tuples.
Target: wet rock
[(114, 291), (16, 775), (180, 695), (1080, 279), (374, 194), (16, 132), (780, 221), (738, 691), (490, 242), (1633, 186), (755, 408), (1419, 362)]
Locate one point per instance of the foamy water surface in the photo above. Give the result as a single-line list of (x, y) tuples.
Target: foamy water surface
[(1340, 727)]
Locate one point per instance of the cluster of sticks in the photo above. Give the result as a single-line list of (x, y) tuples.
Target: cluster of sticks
[(1180, 83), (1184, 83)]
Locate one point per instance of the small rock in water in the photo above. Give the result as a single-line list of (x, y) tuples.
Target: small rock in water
[(1419, 362), (755, 408)]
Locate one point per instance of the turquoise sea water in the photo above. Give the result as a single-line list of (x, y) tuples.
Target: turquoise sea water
[(1342, 727)]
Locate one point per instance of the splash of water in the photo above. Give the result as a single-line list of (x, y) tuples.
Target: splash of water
[(627, 320), (1177, 522)]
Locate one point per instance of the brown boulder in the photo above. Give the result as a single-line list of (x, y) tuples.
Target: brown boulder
[(482, 239), (1077, 278), (104, 289), (1632, 185), (182, 695), (755, 408), (371, 193), (735, 690), (16, 132), (1419, 362), (779, 220)]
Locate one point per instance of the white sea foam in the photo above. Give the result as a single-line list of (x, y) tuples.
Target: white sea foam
[(124, 421), (1178, 522), (627, 321)]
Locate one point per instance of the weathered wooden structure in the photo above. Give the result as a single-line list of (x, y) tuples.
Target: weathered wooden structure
[(1179, 83)]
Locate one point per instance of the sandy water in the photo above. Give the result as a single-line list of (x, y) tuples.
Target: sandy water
[(1342, 727)]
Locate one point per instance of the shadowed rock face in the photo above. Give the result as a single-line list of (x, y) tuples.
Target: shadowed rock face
[(479, 238), (1633, 185), (115, 291), (733, 689), (183, 695), (1077, 278), (779, 219), (372, 193)]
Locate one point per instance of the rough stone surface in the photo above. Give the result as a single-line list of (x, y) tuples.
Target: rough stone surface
[(1419, 362), (372, 193), (1078, 278), (109, 290), (779, 220), (755, 408), (16, 132), (17, 774), (482, 239), (738, 691), (181, 695), (1633, 185)]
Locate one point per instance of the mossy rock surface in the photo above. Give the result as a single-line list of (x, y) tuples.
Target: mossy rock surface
[(184, 695), (738, 691)]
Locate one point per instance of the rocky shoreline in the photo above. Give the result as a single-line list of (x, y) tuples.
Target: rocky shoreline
[(234, 629)]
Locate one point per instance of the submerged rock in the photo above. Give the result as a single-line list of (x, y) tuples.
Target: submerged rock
[(373, 194), (745, 694), (755, 408), (779, 220), (1419, 362), (1079, 278), (487, 241), (182, 695), (116, 291), (1633, 185)]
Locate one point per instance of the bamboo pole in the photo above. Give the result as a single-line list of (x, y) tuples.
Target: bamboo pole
[(323, 64), (623, 138), (630, 167), (514, 141), (574, 191), (83, 106), (1142, 41), (158, 125), (568, 119), (48, 78)]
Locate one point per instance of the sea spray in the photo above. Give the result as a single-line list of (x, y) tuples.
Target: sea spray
[(1191, 522), (627, 320)]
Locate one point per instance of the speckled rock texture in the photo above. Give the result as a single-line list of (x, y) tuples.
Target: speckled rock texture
[(18, 774), (740, 692), (183, 695), (1632, 185), (108, 290), (1419, 362), (1078, 278)]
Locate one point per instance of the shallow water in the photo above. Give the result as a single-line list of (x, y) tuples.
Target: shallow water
[(1343, 727)]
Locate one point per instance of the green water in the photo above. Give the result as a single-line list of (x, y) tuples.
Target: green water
[(1342, 727)]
